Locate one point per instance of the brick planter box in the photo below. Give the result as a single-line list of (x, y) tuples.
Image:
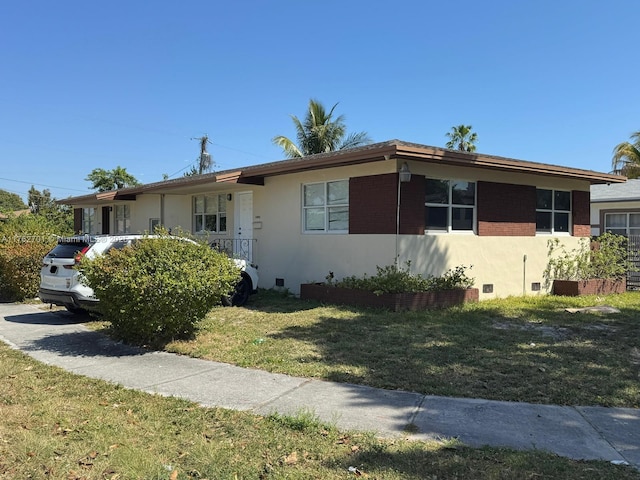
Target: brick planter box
[(392, 301), (594, 286)]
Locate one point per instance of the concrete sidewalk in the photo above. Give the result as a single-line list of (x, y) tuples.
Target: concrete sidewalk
[(611, 434)]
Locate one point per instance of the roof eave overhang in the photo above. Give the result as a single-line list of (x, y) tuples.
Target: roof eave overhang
[(391, 150)]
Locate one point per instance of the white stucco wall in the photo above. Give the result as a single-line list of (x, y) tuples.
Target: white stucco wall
[(284, 252)]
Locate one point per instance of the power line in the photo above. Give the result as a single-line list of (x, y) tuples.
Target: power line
[(42, 185)]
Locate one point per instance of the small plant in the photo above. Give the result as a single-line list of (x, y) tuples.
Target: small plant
[(604, 257), (395, 279)]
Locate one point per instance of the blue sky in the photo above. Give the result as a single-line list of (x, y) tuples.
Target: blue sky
[(130, 83)]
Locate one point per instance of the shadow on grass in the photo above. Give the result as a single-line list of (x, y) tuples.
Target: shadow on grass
[(539, 356), (483, 463)]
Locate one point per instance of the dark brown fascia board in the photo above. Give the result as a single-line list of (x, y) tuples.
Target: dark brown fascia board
[(401, 151), (503, 164)]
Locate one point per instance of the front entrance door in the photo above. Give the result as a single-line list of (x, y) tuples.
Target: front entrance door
[(243, 224)]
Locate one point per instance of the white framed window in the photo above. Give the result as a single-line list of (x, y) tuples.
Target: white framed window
[(123, 219), (623, 223), (450, 206), (88, 219), (210, 213), (553, 211), (325, 207)]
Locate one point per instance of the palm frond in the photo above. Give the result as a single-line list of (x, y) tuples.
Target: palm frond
[(289, 147), (626, 157)]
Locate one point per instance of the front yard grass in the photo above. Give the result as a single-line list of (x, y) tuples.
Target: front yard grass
[(60, 426), (517, 349)]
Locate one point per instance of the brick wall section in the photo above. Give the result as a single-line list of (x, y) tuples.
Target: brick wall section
[(373, 201), (580, 205), (506, 210), (372, 204), (412, 209)]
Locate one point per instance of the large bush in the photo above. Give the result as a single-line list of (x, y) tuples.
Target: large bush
[(24, 241), (158, 288), (20, 263)]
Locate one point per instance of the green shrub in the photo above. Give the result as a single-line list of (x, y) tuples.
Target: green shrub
[(158, 289), (24, 241), (395, 279), (20, 264), (603, 257)]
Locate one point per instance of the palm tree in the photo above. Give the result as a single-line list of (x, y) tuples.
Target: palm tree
[(320, 133), (626, 157), (461, 138)]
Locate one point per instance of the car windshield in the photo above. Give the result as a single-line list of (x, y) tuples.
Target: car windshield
[(67, 249)]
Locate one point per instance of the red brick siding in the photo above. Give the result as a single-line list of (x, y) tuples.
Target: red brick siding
[(372, 204), (580, 205), (412, 208), (506, 210)]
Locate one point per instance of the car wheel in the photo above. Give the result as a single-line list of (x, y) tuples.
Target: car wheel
[(240, 295)]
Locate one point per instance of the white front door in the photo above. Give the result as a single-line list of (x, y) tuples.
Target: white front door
[(243, 225)]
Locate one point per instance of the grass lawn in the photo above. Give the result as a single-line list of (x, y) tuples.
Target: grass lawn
[(60, 426), (520, 349)]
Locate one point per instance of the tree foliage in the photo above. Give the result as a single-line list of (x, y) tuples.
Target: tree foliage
[(10, 202), (626, 157), (24, 240), (462, 138), (320, 132), (103, 180)]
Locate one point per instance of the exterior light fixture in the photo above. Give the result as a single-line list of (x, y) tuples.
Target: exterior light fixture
[(405, 173)]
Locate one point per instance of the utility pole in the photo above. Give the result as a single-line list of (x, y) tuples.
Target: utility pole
[(205, 158)]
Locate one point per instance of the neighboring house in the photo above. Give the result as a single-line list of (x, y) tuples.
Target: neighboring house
[(347, 212), (615, 208)]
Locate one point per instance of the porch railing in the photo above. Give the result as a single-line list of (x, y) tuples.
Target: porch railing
[(243, 248)]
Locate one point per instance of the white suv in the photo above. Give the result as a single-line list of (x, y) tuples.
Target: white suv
[(60, 282)]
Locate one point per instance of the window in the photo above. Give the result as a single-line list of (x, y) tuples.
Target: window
[(153, 224), (553, 211), (451, 205), (622, 223), (123, 219), (325, 206), (88, 219), (210, 213)]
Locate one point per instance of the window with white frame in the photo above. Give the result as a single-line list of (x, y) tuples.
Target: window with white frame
[(623, 223), (553, 211), (88, 219), (210, 213), (123, 219), (325, 206), (450, 205)]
